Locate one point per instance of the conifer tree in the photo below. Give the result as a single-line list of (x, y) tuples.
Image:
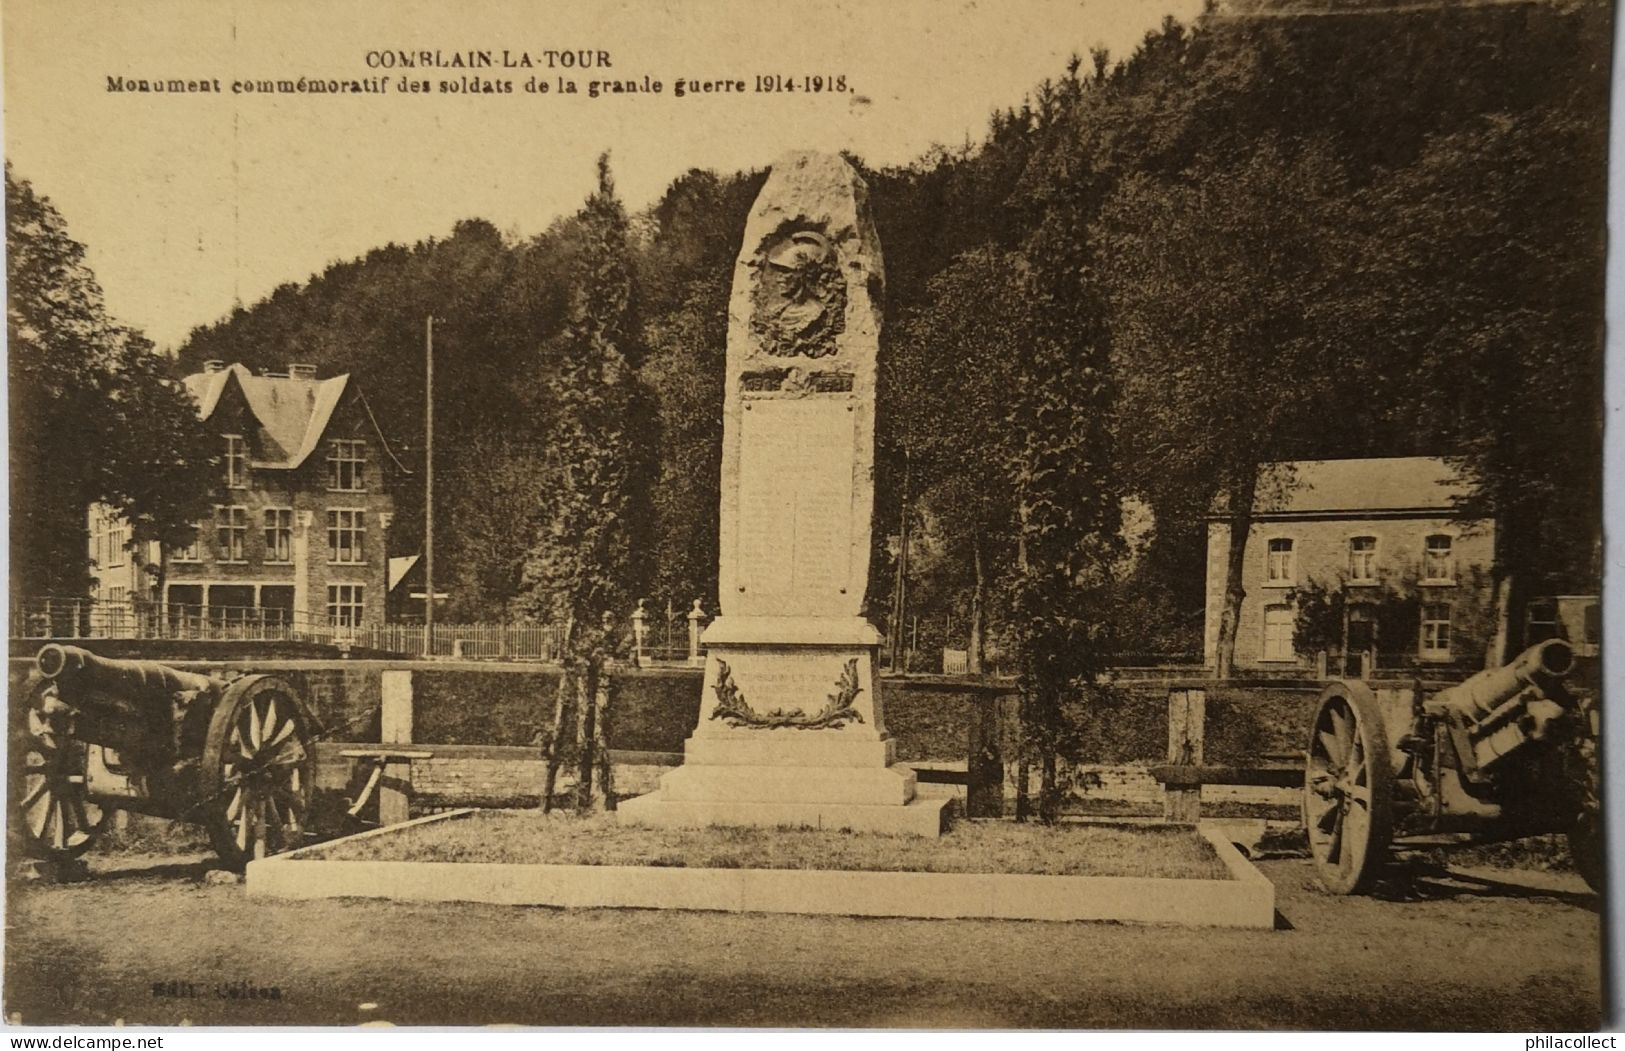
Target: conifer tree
[(585, 565)]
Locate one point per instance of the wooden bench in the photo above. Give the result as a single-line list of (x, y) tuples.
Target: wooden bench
[(391, 778)]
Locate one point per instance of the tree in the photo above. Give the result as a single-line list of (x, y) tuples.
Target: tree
[(162, 475), (589, 557), (1220, 283), (685, 277), (951, 378), (93, 417), (1481, 267), (491, 533), (1068, 510)]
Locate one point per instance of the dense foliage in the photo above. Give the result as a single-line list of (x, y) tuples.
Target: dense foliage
[(94, 415), (1367, 231)]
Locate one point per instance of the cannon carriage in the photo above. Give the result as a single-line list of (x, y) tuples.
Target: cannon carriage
[(90, 735), (1508, 753)]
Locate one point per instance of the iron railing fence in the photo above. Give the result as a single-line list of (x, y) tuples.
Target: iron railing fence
[(63, 618)]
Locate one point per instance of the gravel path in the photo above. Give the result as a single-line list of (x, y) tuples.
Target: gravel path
[(1510, 953)]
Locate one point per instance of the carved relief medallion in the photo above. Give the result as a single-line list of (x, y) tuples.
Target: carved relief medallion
[(799, 302)]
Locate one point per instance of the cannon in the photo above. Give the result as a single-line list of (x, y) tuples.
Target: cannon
[(1508, 753), (94, 735)]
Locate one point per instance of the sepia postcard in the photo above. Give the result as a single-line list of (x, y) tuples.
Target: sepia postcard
[(937, 514)]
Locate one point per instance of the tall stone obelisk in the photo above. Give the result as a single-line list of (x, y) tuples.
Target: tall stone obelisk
[(791, 730)]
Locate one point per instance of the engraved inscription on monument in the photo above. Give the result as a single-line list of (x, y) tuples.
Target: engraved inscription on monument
[(795, 501)]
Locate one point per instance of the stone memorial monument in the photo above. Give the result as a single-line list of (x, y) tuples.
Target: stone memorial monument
[(790, 729)]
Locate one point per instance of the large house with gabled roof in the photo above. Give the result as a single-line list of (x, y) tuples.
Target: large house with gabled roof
[(301, 517)]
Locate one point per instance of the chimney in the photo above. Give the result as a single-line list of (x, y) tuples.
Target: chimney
[(214, 365), (302, 372)]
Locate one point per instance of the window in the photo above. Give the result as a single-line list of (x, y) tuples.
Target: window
[(1278, 562), (231, 534), (346, 536), (1278, 625), (1540, 622), (118, 599), (346, 465), (1436, 629), (118, 539), (1363, 559), (192, 552), (1362, 627), (236, 462), (344, 605), (1436, 561), (278, 534)]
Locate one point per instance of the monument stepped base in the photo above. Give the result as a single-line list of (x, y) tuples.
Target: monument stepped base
[(919, 817)]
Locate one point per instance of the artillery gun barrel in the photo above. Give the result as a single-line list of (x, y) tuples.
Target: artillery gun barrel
[(72, 665), (1542, 666)]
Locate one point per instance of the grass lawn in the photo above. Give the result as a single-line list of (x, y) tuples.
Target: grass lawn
[(532, 838)]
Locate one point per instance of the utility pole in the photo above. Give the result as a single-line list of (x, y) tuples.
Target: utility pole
[(428, 487)]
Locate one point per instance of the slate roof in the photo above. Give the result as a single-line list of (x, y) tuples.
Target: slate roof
[(294, 411), (1393, 483)]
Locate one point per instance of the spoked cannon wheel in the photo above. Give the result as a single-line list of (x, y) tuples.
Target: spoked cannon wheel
[(258, 773), (1348, 796), (50, 807)]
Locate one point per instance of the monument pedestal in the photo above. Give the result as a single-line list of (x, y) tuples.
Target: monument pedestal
[(790, 729), (790, 733)]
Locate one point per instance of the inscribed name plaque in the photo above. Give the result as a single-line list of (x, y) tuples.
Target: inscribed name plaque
[(794, 531)]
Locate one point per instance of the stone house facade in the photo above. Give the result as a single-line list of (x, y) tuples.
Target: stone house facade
[(300, 525), (1381, 544)]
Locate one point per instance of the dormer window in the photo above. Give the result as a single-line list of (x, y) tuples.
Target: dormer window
[(236, 462), (1278, 563), (1438, 563), (346, 465)]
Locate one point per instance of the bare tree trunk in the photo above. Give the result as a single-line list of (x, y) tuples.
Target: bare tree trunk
[(550, 747), (1024, 799), (585, 687), (1049, 793), (601, 732), (1501, 647), (1240, 498), (1024, 706), (976, 646), (1506, 594)]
